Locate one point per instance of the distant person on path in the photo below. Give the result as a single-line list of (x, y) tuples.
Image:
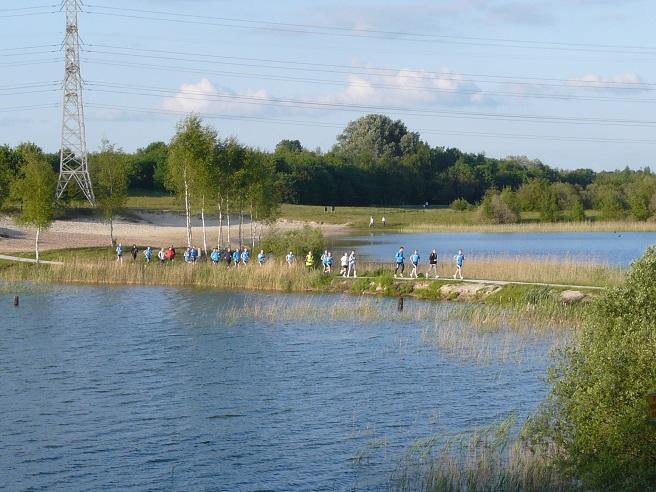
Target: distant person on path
[(329, 263), (371, 221), (236, 257), (290, 259), (170, 253), (261, 257), (414, 259), (134, 252), (161, 255), (399, 258), (343, 264), (245, 256), (351, 265), (215, 256), (186, 255), (148, 254), (228, 256), (119, 253), (382, 220), (432, 264), (324, 261), (460, 258)]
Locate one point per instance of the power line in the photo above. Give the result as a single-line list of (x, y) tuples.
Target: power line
[(352, 32), (413, 88), (310, 104), (370, 70), (332, 125), (30, 8)]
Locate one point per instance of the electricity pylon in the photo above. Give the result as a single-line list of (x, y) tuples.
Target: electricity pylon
[(73, 163)]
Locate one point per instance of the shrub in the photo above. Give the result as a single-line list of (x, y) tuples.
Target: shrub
[(499, 208), (595, 417), (298, 241), (461, 205)]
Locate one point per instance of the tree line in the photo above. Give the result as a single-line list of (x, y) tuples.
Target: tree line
[(375, 161)]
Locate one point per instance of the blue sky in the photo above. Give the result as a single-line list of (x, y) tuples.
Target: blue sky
[(578, 71)]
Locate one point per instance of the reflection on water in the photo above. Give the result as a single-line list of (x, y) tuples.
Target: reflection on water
[(151, 388), (613, 248)]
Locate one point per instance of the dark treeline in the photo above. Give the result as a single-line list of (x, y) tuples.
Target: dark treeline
[(378, 161)]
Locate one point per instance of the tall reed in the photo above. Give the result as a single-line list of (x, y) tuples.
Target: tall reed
[(585, 226)]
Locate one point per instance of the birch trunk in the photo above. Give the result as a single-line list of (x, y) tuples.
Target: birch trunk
[(228, 217), (220, 238), (241, 223), (111, 231), (187, 211), (36, 243), (202, 219)]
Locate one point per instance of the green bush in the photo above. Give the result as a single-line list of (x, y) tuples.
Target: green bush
[(595, 417), (461, 205), (298, 241)]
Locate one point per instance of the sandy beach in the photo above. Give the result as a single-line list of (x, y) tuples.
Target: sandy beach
[(156, 229)]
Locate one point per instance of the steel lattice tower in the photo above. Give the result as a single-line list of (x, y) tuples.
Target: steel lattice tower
[(73, 164)]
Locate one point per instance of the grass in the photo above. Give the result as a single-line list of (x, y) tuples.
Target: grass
[(486, 459)]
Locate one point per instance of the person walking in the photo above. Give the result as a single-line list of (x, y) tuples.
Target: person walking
[(399, 258), (236, 257), (351, 265), (186, 256), (134, 252), (161, 255), (119, 253), (245, 256), (343, 264), (329, 263), (371, 221), (460, 258), (414, 259), (432, 264), (148, 254), (215, 256), (290, 259), (382, 220), (261, 257), (228, 256)]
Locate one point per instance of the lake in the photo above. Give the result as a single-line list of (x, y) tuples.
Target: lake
[(159, 389), (612, 248)]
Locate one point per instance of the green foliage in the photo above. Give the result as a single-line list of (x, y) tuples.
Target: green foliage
[(461, 205), (35, 190), (110, 170), (298, 241), (595, 417), (499, 207), (374, 136)]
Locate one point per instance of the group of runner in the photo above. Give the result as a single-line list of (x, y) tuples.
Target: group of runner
[(232, 258), (347, 263), (415, 258)]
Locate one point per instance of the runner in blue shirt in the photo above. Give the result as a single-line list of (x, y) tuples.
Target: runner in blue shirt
[(414, 259), (215, 256), (245, 256), (236, 256), (400, 258), (261, 257), (148, 254), (119, 253), (290, 258), (460, 258)]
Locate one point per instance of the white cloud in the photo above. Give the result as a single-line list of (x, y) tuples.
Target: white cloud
[(617, 82), (204, 97), (408, 87)]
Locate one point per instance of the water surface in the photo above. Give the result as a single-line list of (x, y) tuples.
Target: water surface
[(604, 247), (151, 389)]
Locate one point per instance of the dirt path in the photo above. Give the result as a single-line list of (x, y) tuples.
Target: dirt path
[(29, 260), (156, 229)]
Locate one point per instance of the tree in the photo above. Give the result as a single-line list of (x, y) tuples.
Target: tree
[(375, 135), (190, 156), (35, 189), (110, 171), (595, 417), (289, 146), (499, 207)]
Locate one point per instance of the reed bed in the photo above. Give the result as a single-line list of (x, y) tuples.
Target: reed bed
[(272, 276), (484, 460), (550, 270), (585, 226)]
